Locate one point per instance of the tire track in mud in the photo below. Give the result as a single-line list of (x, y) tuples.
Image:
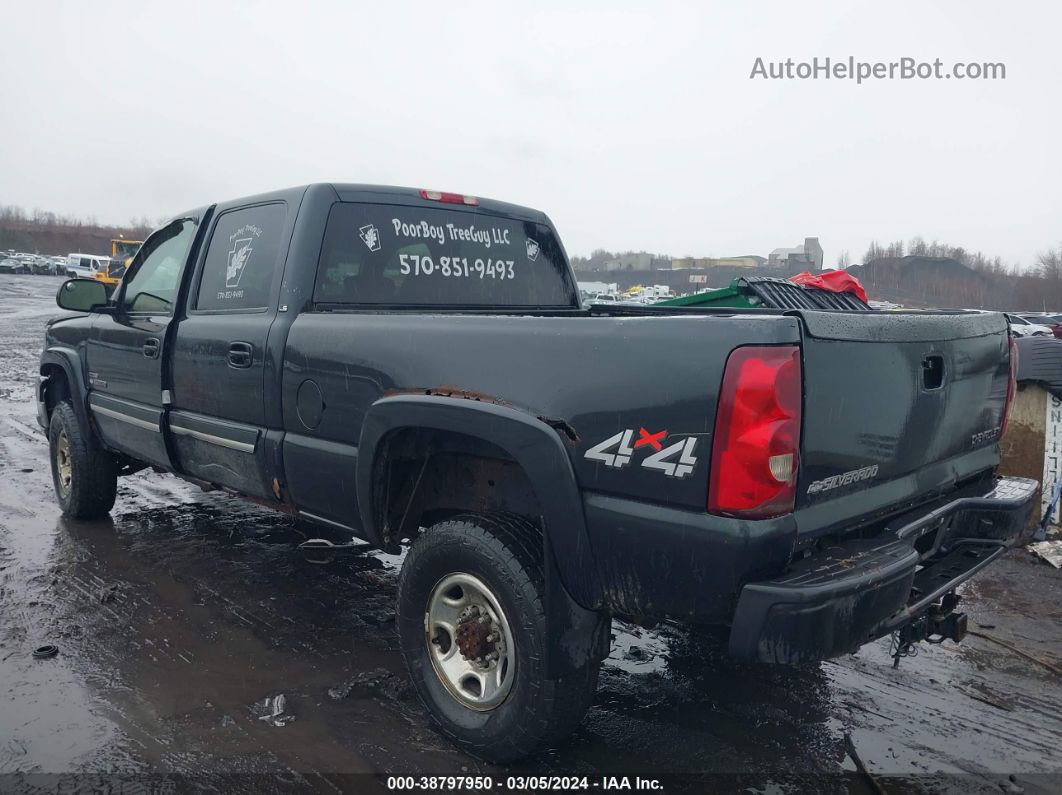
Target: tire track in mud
[(243, 649), (55, 710), (934, 724)]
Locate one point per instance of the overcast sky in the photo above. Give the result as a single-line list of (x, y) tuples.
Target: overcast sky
[(634, 126)]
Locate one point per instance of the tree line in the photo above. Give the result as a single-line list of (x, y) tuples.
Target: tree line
[(915, 272), (39, 231), (929, 273), (13, 215)]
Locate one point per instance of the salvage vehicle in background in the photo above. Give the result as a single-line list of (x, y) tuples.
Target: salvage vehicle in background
[(1053, 322), (44, 266), (415, 368), (11, 265), (85, 266), (110, 275), (122, 253), (1026, 328), (123, 249)]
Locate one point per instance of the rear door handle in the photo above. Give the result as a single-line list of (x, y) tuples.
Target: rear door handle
[(152, 346), (241, 354)]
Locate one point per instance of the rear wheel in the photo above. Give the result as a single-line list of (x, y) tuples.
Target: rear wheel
[(85, 475), (472, 626)]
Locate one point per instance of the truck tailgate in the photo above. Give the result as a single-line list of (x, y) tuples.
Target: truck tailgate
[(898, 406)]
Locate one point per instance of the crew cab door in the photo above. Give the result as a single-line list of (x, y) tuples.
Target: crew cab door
[(218, 418), (126, 350)]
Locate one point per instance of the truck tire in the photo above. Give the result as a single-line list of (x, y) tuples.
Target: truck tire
[(472, 589), (85, 475)]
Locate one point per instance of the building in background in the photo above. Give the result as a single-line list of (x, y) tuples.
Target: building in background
[(631, 261), (805, 257), (746, 261), (628, 261)]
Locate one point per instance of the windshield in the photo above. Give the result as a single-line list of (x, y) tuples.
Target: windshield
[(421, 256), (125, 248)]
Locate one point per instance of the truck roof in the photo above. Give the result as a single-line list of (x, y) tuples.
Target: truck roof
[(355, 192)]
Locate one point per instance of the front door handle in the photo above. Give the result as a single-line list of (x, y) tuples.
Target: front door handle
[(241, 355), (152, 346)]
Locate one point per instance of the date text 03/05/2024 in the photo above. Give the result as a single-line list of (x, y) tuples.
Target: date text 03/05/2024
[(524, 783)]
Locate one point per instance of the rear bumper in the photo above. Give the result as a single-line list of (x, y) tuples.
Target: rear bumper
[(857, 590)]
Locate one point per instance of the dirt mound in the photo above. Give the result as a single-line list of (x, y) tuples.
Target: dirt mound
[(916, 281)]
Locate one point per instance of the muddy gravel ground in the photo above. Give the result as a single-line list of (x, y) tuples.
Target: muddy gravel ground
[(180, 621)]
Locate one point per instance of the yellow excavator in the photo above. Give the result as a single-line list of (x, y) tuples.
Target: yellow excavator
[(122, 253)]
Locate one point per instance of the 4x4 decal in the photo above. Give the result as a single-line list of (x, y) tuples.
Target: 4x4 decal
[(676, 460)]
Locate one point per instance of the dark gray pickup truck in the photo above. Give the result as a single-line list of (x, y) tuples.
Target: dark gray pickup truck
[(414, 367)]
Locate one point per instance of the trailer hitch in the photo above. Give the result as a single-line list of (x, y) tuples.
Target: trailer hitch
[(936, 625)]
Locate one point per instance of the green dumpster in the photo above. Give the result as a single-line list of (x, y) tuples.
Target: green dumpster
[(737, 294), (770, 292)]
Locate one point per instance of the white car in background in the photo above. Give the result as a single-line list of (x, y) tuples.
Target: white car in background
[(1023, 328)]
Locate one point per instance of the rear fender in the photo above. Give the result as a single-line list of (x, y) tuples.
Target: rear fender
[(535, 446), (578, 628)]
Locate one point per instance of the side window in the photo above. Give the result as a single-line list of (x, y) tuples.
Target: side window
[(153, 285), (242, 259)]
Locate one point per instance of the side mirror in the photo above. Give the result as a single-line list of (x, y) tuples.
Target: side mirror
[(81, 295)]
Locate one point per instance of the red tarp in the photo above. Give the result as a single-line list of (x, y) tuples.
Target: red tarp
[(834, 281)]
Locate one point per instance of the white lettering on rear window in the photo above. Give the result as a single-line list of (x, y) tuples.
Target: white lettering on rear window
[(486, 237)]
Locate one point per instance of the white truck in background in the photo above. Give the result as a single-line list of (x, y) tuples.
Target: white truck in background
[(85, 266)]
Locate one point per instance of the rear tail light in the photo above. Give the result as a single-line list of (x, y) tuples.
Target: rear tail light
[(1012, 385), (448, 198), (757, 433)]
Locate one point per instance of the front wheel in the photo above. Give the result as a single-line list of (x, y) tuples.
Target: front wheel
[(472, 627), (85, 475)]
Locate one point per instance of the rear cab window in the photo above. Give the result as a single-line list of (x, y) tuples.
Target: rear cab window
[(381, 254), (242, 259)]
